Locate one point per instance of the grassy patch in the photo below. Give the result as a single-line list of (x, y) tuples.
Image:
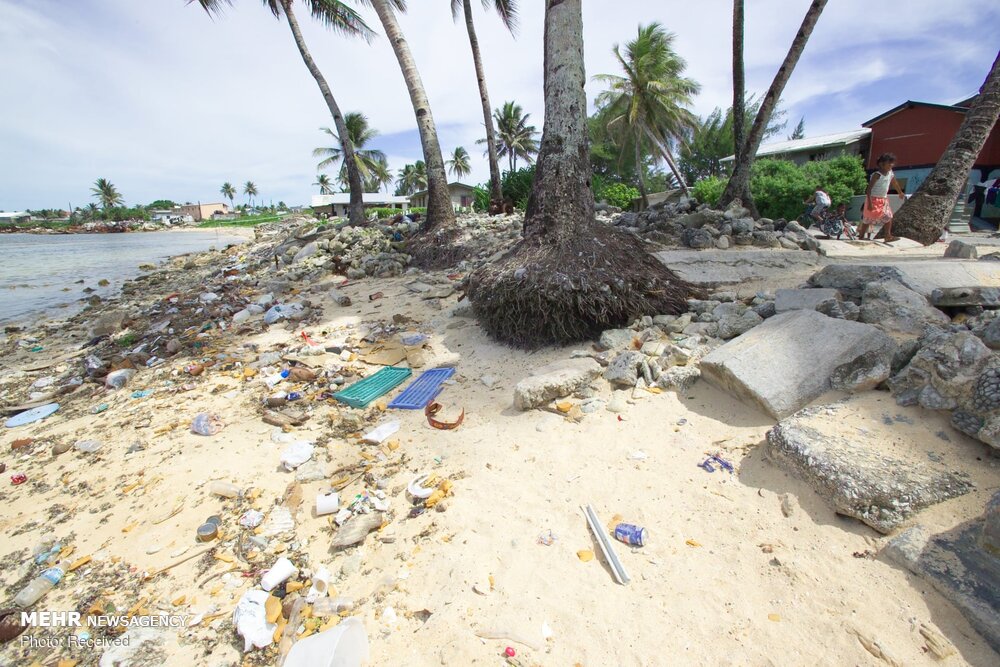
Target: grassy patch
[(248, 221)]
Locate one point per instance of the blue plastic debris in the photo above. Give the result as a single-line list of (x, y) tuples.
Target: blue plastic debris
[(422, 391)]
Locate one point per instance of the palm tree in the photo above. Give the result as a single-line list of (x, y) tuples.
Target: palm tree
[(739, 80), (250, 190), (459, 163), (229, 192), (925, 215), (515, 138), (507, 9), (341, 18), (106, 193), (412, 178), (360, 134), (440, 214), (739, 182), (569, 277), (381, 177), (325, 186), (650, 102)]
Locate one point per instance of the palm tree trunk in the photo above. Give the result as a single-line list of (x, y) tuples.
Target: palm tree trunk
[(739, 183), (484, 97), (356, 211), (440, 213), (561, 206), (925, 215), (639, 174), (739, 81)]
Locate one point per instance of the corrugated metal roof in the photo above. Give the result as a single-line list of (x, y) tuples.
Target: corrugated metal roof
[(797, 145)]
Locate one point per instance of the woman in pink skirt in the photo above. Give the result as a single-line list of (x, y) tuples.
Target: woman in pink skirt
[(877, 210)]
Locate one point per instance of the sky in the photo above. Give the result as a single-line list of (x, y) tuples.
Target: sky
[(168, 103)]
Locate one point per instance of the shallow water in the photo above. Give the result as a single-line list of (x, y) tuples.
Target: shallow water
[(48, 273)]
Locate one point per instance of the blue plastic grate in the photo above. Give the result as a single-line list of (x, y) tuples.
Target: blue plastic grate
[(422, 390), (363, 392)]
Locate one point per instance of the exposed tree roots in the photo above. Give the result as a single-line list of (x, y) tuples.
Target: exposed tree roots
[(541, 294), (436, 249)]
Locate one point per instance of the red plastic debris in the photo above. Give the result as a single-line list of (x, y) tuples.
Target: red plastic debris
[(509, 652), (19, 478)]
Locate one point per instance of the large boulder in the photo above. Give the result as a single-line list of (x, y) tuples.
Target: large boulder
[(616, 339), (789, 360), (954, 371), (961, 250), (735, 319), (854, 474), (802, 299), (851, 279), (966, 296), (555, 380), (898, 310)]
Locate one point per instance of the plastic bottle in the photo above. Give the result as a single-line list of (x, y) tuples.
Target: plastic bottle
[(224, 489), (38, 587)]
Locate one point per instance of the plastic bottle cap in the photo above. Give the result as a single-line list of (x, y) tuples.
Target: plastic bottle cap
[(207, 532), (215, 519)]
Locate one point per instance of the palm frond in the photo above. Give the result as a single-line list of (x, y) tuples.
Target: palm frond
[(340, 17), (212, 7)]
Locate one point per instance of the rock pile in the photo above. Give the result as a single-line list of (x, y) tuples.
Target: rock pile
[(689, 224)]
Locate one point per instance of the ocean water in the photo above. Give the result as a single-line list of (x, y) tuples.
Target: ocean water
[(46, 274)]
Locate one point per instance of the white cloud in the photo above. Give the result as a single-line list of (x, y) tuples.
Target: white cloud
[(166, 102)]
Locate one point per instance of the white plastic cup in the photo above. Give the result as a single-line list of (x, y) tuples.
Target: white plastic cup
[(327, 503), (344, 645), (320, 585), (279, 572)]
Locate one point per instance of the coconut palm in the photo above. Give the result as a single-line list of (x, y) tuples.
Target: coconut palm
[(925, 215), (360, 134), (228, 191), (381, 177), (569, 277), (507, 9), (650, 102), (324, 183), (341, 18), (250, 190), (515, 138), (440, 214), (412, 178), (106, 193), (459, 163), (739, 182)]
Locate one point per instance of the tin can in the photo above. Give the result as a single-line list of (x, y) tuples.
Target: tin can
[(631, 534)]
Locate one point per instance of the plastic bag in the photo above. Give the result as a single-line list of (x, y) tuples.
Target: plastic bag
[(250, 620), (296, 454), (89, 446), (356, 529), (206, 424)]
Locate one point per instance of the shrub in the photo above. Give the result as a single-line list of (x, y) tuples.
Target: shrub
[(516, 185), (709, 190), (779, 188), (840, 177), (481, 198), (618, 194), (383, 213)]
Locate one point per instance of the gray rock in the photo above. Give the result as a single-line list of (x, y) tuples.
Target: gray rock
[(852, 279), (802, 299), (786, 362), (991, 334), (735, 319), (616, 339), (991, 526), (624, 369), (743, 239), (966, 296), (709, 329), (961, 250), (959, 568), (854, 478), (723, 242), (743, 226), (697, 238), (787, 243), (309, 250), (866, 372), (898, 310), (766, 239), (699, 219), (679, 378), (765, 309), (108, 324), (555, 380)]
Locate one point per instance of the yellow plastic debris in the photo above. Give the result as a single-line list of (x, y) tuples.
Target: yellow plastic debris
[(272, 608), (293, 586), (693, 543), (586, 555), (79, 562), (178, 601), (774, 617)]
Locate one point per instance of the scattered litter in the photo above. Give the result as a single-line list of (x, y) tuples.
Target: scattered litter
[(638, 455), (547, 538), (251, 518), (296, 454), (327, 503), (363, 392), (380, 433), (376, 296), (250, 619), (444, 425), (282, 570), (31, 416), (423, 390), (631, 534), (617, 569), (586, 555), (205, 423)]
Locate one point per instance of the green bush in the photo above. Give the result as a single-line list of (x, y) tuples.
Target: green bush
[(382, 213), (618, 194), (840, 177), (516, 185), (481, 198), (779, 188), (709, 190)]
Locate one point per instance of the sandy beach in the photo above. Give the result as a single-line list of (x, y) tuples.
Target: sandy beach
[(726, 578)]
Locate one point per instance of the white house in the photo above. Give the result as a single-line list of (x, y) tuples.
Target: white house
[(338, 204), (14, 217), (462, 196), (827, 146)]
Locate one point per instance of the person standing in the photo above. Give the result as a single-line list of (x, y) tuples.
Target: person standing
[(877, 210)]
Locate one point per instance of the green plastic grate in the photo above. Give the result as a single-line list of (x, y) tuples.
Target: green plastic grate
[(363, 392)]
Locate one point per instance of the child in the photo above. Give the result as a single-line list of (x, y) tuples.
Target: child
[(820, 201), (877, 209), (836, 223)]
